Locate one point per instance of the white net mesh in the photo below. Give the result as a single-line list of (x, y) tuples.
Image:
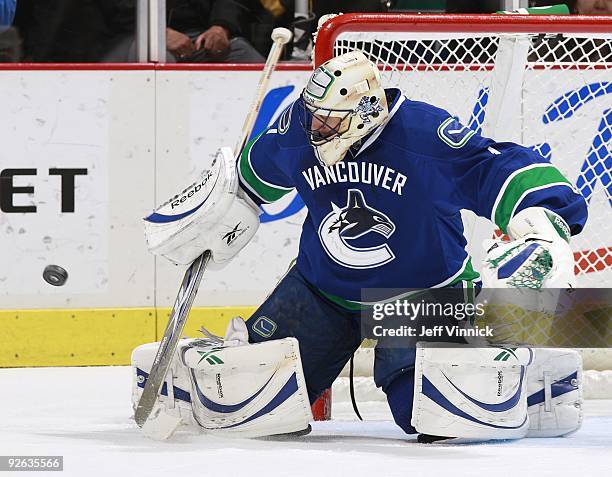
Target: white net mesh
[(551, 92)]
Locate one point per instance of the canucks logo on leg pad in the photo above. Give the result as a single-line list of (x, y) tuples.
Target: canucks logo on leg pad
[(351, 222), (264, 326)]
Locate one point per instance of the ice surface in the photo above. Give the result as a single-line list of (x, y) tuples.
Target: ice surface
[(84, 414)]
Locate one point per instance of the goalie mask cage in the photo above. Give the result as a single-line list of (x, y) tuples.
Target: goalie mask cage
[(542, 81)]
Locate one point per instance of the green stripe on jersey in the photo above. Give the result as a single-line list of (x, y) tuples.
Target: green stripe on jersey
[(468, 275), (343, 303), (520, 185), (266, 191)]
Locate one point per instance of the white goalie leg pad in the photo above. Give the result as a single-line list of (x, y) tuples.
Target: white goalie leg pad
[(471, 393), (554, 392), (252, 390), (173, 408)]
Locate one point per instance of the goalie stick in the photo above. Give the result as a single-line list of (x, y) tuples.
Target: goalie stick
[(193, 274), (174, 329)]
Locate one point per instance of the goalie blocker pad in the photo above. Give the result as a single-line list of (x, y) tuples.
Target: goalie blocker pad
[(210, 214), (496, 392), (253, 390)]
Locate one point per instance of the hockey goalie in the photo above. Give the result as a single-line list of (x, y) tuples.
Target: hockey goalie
[(384, 179)]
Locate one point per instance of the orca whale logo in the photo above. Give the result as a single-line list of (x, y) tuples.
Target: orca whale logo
[(355, 220)]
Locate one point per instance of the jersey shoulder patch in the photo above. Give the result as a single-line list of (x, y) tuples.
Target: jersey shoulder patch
[(428, 130), (288, 128), (284, 120), (453, 133)]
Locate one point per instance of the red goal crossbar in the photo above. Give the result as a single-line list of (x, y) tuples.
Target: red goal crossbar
[(402, 22)]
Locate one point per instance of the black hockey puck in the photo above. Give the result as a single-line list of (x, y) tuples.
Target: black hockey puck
[(55, 275)]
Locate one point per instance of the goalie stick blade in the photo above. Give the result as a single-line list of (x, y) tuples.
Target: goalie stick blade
[(160, 425), (429, 439), (172, 334), (289, 436)]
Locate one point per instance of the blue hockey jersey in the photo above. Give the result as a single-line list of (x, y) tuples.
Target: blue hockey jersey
[(388, 215), (7, 13)]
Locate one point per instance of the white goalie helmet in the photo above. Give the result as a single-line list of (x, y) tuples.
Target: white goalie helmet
[(343, 102)]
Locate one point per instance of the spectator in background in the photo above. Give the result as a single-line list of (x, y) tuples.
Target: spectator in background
[(198, 31), (63, 30), (9, 38), (263, 17), (474, 6), (324, 7), (594, 7), (581, 7), (7, 13)]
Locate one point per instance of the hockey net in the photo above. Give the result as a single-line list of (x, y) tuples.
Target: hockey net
[(542, 81)]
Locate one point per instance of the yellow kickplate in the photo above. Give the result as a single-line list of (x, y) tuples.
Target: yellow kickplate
[(94, 337), (78, 337), (214, 319)]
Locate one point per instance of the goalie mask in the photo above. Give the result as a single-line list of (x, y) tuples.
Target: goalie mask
[(343, 102)]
